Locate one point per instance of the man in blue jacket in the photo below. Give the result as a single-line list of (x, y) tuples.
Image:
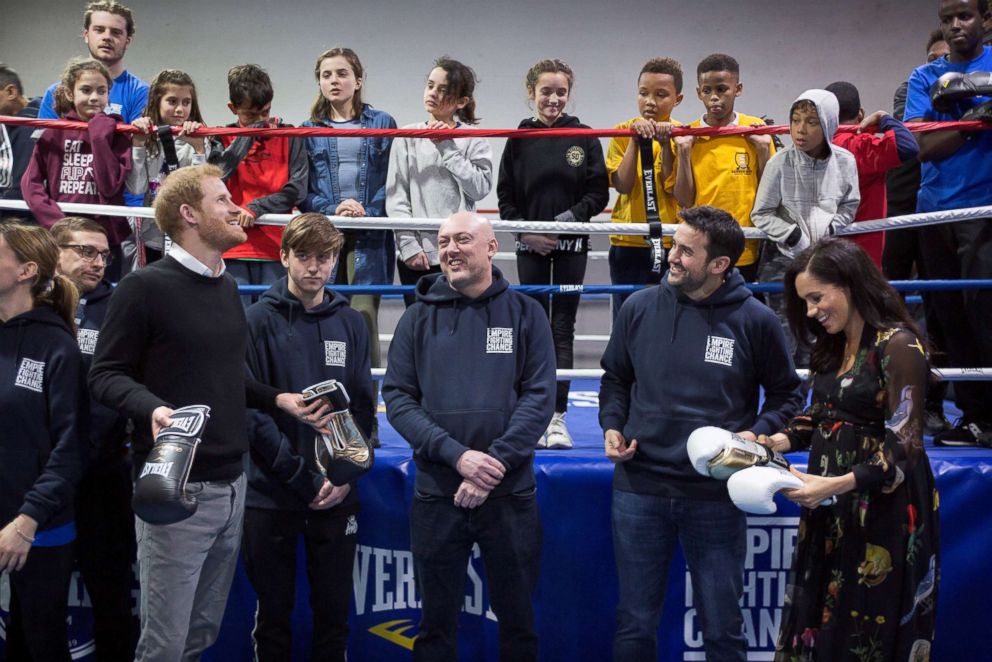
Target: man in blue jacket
[(691, 352), (470, 385), (300, 334)]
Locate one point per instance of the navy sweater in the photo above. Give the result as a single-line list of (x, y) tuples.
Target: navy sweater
[(44, 413), (471, 374), (674, 364), (291, 348)]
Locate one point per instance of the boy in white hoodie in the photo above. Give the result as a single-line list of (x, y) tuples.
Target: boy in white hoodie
[(807, 191)]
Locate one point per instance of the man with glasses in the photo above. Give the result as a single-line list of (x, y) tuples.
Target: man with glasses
[(105, 526)]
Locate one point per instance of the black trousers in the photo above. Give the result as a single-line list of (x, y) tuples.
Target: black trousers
[(508, 531), (963, 250), (36, 627), (410, 276), (269, 546), (556, 269), (631, 265), (105, 549)]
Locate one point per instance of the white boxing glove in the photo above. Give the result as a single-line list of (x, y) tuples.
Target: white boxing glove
[(718, 453), (753, 489)]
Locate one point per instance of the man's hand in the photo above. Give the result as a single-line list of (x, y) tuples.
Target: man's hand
[(418, 262), (871, 120), (470, 495), (748, 435), (483, 470), (617, 449), (542, 244), (316, 414), (14, 546), (329, 495), (161, 418)]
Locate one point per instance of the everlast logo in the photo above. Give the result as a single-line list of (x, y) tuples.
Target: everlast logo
[(649, 197), (156, 468), (185, 423)]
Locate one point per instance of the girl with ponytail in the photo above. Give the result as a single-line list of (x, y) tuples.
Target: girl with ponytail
[(43, 399)]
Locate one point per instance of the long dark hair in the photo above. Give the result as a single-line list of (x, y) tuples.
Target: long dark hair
[(157, 90), (844, 264)]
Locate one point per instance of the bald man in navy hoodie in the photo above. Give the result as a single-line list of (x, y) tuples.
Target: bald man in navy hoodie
[(470, 385)]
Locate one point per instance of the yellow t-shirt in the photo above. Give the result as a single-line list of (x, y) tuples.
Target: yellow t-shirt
[(723, 168), (629, 208)]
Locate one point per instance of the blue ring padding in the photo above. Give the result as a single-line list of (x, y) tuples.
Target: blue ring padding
[(56, 537), (394, 290)]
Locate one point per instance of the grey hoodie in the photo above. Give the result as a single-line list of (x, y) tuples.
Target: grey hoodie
[(800, 198)]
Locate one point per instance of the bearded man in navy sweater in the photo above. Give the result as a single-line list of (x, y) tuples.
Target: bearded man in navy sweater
[(470, 385), (690, 352)]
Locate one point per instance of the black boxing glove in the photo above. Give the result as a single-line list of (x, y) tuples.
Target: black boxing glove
[(160, 491), (981, 113), (950, 91)]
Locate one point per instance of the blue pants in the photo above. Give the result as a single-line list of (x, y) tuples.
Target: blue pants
[(508, 531), (646, 529)]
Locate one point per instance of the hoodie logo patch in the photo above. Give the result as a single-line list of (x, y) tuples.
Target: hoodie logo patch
[(31, 375), (335, 353), (575, 156), (719, 350), (351, 528), (87, 340), (499, 340)]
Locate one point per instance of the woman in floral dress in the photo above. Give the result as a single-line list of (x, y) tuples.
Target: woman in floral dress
[(864, 579)]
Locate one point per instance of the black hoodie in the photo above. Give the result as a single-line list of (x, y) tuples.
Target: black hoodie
[(674, 364), (16, 147), (291, 348), (43, 418), (108, 427), (540, 178), (471, 374)]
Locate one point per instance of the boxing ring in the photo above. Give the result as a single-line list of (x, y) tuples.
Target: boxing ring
[(577, 592)]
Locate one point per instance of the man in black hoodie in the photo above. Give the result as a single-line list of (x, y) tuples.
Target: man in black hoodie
[(722, 345), (470, 385), (105, 543), (300, 334)]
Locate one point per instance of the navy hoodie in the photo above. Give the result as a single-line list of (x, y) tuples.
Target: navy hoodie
[(292, 348), (674, 364), (108, 427), (44, 412), (540, 178), (471, 374)]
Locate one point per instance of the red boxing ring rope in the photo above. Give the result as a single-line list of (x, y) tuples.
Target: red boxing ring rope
[(298, 131)]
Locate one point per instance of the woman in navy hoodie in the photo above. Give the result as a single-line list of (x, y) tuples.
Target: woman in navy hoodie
[(563, 179), (43, 406)]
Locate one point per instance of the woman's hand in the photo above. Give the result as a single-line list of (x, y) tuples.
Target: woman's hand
[(777, 442), (349, 207), (542, 244), (817, 489)]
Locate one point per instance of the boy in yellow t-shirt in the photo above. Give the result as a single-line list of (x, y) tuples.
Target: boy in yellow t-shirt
[(659, 90), (722, 171)]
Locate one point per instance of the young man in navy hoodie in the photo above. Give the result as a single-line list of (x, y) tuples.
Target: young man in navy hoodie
[(470, 385), (300, 334), (703, 325), (105, 544)]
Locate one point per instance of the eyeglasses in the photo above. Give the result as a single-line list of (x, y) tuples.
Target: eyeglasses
[(89, 253)]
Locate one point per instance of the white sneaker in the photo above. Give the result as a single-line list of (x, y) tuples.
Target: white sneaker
[(542, 441), (557, 436)]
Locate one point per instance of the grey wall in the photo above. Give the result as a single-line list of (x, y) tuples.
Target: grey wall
[(783, 46)]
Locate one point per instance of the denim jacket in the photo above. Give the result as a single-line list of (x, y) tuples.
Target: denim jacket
[(374, 249)]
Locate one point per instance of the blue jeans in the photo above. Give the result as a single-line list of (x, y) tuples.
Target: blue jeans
[(646, 529), (508, 530)]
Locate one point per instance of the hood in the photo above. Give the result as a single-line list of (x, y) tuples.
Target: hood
[(278, 296), (563, 122), (31, 109), (434, 289), (102, 290), (732, 291), (827, 108)]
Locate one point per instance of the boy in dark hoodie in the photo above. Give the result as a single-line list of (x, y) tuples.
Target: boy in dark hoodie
[(808, 191), (703, 325), (301, 334), (15, 141), (264, 176), (470, 385)]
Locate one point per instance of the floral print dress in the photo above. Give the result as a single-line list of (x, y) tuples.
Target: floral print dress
[(865, 574)]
